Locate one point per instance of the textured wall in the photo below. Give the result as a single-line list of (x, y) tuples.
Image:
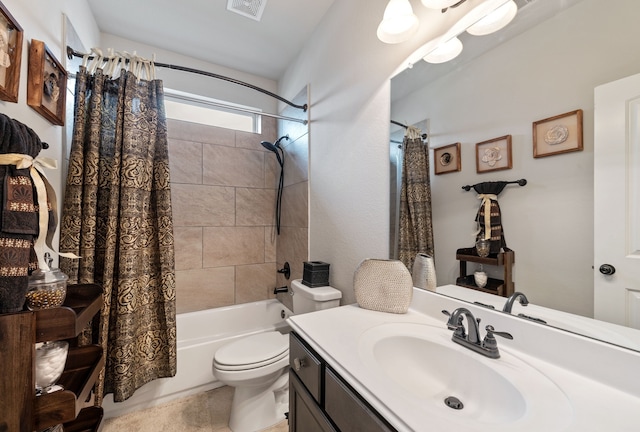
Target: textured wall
[(223, 196)]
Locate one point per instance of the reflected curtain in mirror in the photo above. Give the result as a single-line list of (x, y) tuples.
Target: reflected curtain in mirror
[(117, 216), (416, 229)]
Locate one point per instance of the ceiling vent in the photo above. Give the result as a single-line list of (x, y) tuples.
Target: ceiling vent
[(249, 8)]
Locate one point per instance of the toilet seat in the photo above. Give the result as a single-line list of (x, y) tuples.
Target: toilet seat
[(252, 352)]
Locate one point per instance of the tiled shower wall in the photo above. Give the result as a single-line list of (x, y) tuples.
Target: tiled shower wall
[(293, 242), (292, 245), (223, 197)]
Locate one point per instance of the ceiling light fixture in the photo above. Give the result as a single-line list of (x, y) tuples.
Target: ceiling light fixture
[(439, 4), (399, 22), (445, 51), (486, 17), (494, 21)]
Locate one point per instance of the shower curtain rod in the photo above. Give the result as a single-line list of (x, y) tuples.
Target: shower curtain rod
[(424, 135), (73, 53)]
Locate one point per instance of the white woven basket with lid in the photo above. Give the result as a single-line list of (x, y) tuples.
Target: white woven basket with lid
[(383, 285), (424, 272)]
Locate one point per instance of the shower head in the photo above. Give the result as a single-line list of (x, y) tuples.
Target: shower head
[(275, 147), (269, 146)]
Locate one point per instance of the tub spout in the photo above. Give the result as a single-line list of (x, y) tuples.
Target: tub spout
[(279, 290)]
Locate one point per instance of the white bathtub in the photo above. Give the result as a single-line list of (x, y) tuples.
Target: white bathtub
[(200, 334)]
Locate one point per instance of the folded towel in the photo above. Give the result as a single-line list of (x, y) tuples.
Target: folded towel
[(19, 216)]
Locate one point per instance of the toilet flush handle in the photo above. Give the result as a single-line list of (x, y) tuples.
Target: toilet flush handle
[(298, 364)]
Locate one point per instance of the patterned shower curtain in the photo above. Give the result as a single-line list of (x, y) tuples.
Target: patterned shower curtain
[(416, 229), (117, 217)]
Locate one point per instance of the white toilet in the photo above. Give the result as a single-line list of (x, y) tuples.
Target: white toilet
[(257, 365)]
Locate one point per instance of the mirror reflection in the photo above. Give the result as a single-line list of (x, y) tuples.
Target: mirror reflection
[(547, 62)]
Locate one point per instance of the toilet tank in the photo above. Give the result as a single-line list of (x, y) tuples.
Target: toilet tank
[(307, 299)]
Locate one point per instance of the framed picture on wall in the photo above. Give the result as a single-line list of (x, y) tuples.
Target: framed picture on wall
[(494, 154), (10, 55), (558, 134), (46, 83), (446, 159)]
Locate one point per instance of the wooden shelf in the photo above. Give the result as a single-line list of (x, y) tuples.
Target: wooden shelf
[(22, 410), (493, 286), (470, 255), (17, 385), (87, 421), (82, 302), (502, 287), (81, 370)]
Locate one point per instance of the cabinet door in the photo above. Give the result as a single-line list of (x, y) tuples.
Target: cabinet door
[(347, 410), (304, 414)]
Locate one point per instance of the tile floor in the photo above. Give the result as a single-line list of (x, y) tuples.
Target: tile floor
[(205, 412)]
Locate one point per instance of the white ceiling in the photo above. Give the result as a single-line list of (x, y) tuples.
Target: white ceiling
[(206, 30)]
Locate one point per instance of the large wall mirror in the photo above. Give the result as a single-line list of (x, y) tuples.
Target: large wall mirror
[(547, 62)]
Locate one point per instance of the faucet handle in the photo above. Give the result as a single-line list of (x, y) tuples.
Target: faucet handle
[(491, 331), (457, 327), (490, 344)]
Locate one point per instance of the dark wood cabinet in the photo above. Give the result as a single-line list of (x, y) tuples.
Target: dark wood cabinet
[(20, 408), (321, 401), (502, 287), (305, 414)]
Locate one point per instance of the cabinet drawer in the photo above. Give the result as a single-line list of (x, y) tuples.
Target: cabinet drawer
[(348, 412), (306, 366)]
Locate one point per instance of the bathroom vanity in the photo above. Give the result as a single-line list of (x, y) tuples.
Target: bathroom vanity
[(320, 398), (357, 369)]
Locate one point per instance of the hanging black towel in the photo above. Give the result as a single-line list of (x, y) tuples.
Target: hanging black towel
[(19, 217), (490, 191)]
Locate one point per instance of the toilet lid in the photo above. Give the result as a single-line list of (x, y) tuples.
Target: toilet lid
[(254, 350)]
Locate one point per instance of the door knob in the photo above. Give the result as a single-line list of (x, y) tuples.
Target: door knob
[(607, 269)]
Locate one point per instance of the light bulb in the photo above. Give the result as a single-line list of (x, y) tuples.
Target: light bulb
[(439, 4), (495, 20), (399, 22), (445, 52)]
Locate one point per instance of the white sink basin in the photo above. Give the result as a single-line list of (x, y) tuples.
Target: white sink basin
[(423, 363)]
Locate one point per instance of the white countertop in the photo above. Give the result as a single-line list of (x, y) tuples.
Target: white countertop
[(600, 381)]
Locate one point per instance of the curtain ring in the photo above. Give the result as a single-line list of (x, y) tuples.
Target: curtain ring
[(97, 59)]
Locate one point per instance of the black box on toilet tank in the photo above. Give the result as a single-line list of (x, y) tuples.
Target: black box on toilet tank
[(315, 274)]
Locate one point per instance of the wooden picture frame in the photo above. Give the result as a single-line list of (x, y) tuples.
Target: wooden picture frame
[(558, 134), (46, 83), (446, 159), (494, 154), (10, 55)]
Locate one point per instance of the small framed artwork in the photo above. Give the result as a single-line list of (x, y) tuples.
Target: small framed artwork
[(446, 159), (46, 83), (558, 134), (10, 55), (494, 154)]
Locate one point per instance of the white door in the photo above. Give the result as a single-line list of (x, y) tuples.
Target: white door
[(617, 202)]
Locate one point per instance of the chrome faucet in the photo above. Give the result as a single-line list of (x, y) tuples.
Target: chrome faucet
[(455, 324), (470, 339), (512, 299)]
